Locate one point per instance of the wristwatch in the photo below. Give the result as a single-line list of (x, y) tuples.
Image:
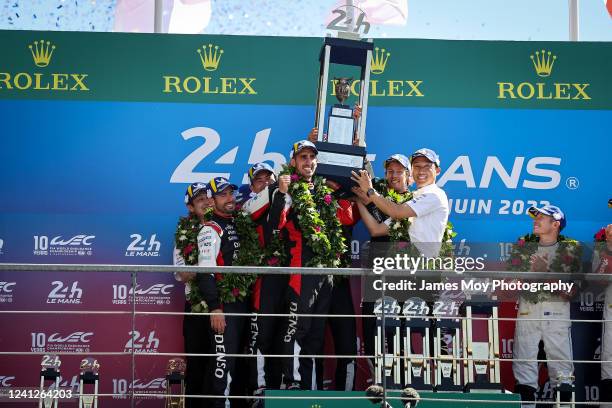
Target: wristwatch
[(370, 192)]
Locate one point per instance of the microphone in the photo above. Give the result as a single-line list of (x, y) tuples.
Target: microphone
[(410, 397), (375, 395)]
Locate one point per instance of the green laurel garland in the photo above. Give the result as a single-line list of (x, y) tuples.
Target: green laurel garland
[(231, 287), (398, 229), (317, 219), (567, 259)]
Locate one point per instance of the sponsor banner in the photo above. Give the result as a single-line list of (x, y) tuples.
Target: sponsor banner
[(102, 291), (276, 70), (491, 169)]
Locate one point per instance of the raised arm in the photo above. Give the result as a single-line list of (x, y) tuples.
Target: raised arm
[(376, 229)]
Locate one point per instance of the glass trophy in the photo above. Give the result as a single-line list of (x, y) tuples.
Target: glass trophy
[(417, 336), (341, 143), (387, 343), (89, 375), (565, 392), (447, 351), (175, 380), (481, 364), (50, 371)]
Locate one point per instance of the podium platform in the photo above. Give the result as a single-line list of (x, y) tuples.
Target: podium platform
[(438, 400)]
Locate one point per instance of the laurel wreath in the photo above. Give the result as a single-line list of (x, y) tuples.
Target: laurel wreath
[(231, 287), (567, 259), (316, 214), (398, 229)]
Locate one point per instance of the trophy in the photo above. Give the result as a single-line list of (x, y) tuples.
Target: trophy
[(89, 375), (387, 343), (417, 366), (338, 155), (175, 375), (50, 371), (481, 364), (341, 125), (565, 392), (447, 373)]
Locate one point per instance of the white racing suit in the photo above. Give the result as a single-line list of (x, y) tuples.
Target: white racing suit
[(555, 333), (554, 329)]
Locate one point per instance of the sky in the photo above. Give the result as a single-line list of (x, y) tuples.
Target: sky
[(521, 20)]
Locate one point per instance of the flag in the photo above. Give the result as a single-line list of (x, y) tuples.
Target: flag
[(178, 16)]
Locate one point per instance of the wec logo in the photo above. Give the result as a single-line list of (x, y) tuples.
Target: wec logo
[(7, 287), (157, 294), (157, 289), (5, 381), (77, 245), (77, 240), (56, 342), (540, 173), (154, 386), (41, 339), (76, 337)]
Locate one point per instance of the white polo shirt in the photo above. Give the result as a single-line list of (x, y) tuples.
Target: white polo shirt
[(431, 207)]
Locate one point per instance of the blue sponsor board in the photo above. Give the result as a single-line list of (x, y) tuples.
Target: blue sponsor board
[(116, 169)]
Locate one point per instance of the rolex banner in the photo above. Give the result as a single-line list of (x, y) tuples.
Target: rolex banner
[(100, 134)]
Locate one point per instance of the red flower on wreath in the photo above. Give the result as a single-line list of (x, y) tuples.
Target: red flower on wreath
[(601, 235), (187, 250), (235, 292), (521, 242), (567, 259), (317, 228), (295, 177), (327, 199), (273, 261), (516, 261)]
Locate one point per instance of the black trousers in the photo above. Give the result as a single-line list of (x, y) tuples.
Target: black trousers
[(222, 368), (269, 297), (344, 336), (305, 335), (196, 341)]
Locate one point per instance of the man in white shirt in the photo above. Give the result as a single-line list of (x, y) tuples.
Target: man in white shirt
[(428, 210)]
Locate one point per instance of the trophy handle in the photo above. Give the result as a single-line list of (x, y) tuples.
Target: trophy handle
[(363, 99), (323, 78)]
